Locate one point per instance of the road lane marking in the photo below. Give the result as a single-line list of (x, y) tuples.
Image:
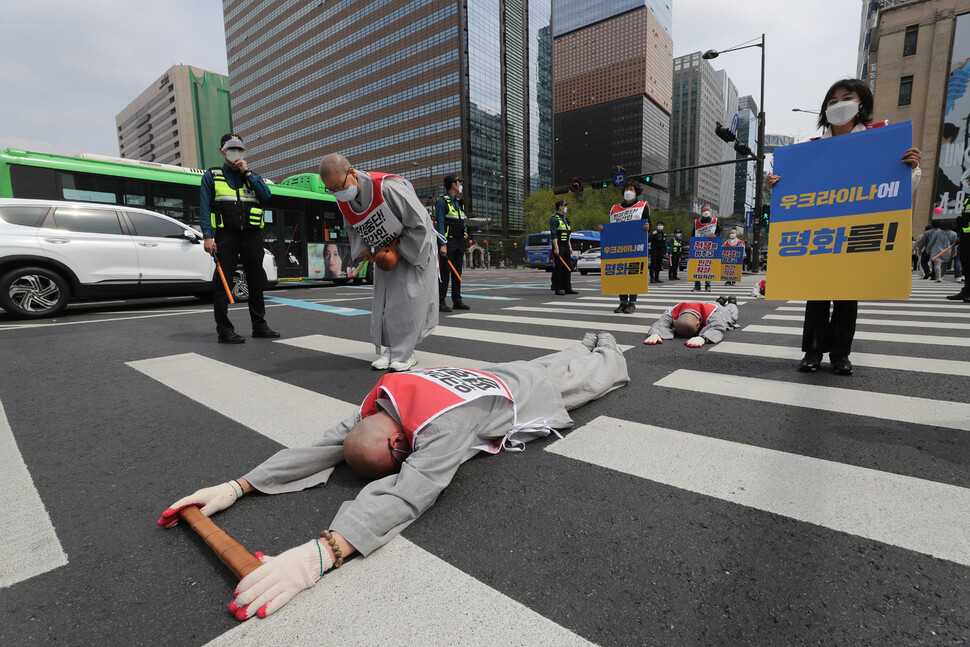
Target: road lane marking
[(884, 406), (542, 342), (947, 325), (363, 350), (911, 513), (871, 360), (914, 338), (288, 414), (923, 312), (25, 526), (547, 323), (310, 305)]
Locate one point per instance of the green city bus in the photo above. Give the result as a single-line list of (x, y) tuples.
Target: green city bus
[(304, 229)]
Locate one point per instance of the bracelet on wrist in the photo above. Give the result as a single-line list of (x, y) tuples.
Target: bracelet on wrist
[(338, 560)]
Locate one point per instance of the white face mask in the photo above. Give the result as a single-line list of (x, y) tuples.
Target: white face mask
[(660, 227), (705, 215), (733, 236), (629, 196), (459, 189), (677, 235), (841, 113), (346, 195), (234, 155), (565, 209)]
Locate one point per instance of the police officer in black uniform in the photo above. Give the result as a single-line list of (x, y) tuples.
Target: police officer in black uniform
[(231, 219), (962, 227), (451, 223), (658, 249)]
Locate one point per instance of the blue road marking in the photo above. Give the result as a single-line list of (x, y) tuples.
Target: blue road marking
[(339, 310)]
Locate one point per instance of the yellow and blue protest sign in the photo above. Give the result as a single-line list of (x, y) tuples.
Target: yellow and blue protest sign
[(704, 260), (840, 217), (732, 256), (623, 258)]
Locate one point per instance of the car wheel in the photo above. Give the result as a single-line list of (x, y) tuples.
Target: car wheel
[(239, 287), (33, 293)]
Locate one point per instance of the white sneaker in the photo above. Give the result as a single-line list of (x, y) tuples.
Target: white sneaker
[(406, 365), (382, 362)]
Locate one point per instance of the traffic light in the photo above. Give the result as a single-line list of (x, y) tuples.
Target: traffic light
[(765, 216), (559, 190), (604, 184), (723, 133)]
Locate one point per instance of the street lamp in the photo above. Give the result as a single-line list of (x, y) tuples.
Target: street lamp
[(760, 166)]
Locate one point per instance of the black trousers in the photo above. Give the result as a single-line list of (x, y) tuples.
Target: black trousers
[(455, 250), (656, 262), (674, 266), (561, 275), (235, 247), (822, 334)]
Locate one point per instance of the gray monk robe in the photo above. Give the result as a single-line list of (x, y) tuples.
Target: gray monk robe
[(543, 390), (405, 305)]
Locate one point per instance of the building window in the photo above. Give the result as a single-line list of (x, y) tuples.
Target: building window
[(905, 90), (909, 45)]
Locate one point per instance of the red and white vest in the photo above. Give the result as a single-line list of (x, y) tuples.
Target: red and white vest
[(377, 225), (735, 243), (705, 229), (701, 310), (619, 213), (418, 397)]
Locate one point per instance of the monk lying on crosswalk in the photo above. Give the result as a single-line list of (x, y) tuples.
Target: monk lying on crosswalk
[(702, 323), (410, 435)]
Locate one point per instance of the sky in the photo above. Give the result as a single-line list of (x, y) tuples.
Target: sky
[(69, 67)]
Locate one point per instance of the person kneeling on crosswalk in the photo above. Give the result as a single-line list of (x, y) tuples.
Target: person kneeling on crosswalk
[(411, 434), (701, 322)]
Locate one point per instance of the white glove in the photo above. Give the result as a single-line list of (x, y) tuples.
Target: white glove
[(653, 338), (280, 578), (695, 342), (755, 292), (210, 501)]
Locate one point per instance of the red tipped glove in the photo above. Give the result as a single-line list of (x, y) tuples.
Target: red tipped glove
[(280, 578), (210, 501)]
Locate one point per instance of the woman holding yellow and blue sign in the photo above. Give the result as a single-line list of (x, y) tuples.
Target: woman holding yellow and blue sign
[(830, 325)]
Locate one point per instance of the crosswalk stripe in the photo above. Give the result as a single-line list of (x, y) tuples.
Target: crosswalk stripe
[(885, 406), (25, 525), (933, 340), (656, 310), (365, 351), (547, 323), (897, 313), (288, 414), (885, 322), (912, 513), (542, 342), (872, 360), (390, 575)]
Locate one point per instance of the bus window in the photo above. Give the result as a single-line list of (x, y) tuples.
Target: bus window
[(176, 201), (33, 182)]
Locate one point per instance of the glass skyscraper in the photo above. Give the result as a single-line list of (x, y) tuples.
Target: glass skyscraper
[(421, 88)]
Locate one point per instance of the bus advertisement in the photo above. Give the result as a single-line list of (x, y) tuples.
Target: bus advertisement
[(303, 230), (538, 247)]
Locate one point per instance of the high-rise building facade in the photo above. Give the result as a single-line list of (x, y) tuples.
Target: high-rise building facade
[(745, 174), (421, 88), (918, 71), (178, 120), (698, 103), (612, 90), (729, 95)]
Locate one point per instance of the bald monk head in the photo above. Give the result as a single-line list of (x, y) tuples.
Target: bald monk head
[(376, 446), (687, 325), (336, 172)]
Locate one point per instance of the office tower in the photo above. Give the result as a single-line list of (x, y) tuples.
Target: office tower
[(421, 88), (178, 120)]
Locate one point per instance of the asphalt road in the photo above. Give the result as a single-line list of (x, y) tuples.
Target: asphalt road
[(722, 498)]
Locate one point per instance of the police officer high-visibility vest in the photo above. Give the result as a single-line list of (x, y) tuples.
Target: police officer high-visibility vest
[(234, 208), (455, 226), (676, 246), (562, 230)]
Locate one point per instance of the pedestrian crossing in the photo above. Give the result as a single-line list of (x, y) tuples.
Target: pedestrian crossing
[(893, 508)]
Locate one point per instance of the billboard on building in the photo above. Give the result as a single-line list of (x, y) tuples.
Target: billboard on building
[(952, 182)]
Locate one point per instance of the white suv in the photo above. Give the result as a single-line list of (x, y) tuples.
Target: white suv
[(52, 252)]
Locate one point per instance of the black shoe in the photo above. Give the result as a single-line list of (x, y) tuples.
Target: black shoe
[(560, 293), (707, 289), (443, 307), (658, 281), (722, 300), (696, 290), (840, 365), (231, 338), (460, 305), (810, 362), (571, 292), (733, 299), (630, 307), (957, 297), (674, 278), (620, 308), (265, 333)]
